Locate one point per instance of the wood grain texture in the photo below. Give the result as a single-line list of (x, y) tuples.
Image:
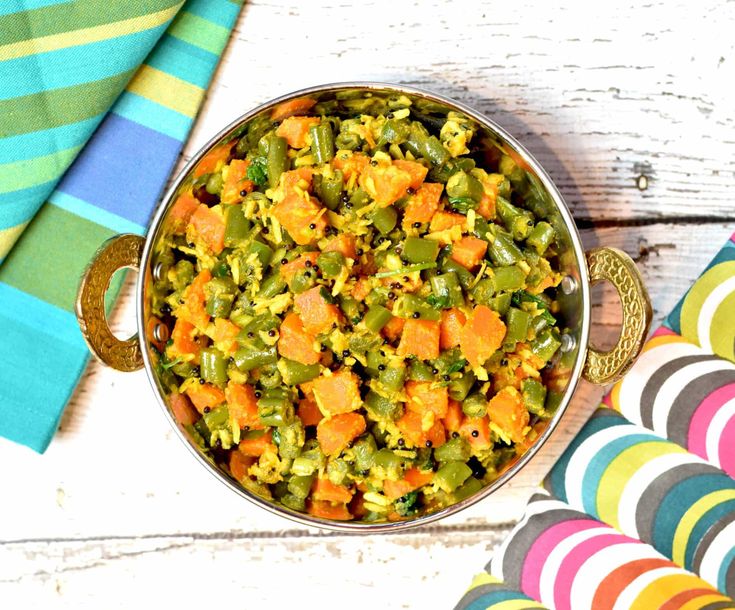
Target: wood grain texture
[(600, 93)]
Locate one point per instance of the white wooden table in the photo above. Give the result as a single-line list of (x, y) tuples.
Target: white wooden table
[(117, 514)]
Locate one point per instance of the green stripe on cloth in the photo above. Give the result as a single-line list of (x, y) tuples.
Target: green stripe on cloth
[(59, 107), (29, 172), (111, 186), (40, 263), (73, 17), (188, 27)]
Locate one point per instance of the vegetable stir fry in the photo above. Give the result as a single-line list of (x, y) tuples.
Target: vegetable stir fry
[(360, 299)]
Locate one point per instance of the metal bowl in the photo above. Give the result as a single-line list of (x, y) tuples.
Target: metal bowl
[(576, 359)]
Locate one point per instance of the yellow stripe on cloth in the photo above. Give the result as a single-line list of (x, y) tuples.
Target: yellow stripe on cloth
[(619, 471), (166, 90), (662, 340), (692, 517), (704, 601), (75, 38), (510, 604), (8, 237), (665, 588)]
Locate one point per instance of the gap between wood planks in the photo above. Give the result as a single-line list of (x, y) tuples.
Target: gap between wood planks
[(234, 535), (588, 223)]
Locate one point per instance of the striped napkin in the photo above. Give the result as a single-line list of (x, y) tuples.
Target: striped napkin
[(104, 94), (639, 511)]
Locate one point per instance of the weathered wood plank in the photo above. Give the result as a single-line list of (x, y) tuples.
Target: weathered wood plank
[(418, 571)]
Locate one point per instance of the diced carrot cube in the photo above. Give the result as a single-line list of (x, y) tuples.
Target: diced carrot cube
[(239, 464), (343, 243), (256, 445), (301, 217), (300, 177), (181, 211), (193, 308), (224, 335), (451, 328), (477, 432), (243, 405), (213, 159), (338, 392), (361, 289), (327, 510), (184, 343), (308, 411), (205, 396), (295, 129), (423, 204), (420, 338), (394, 328), (442, 221), (324, 489), (300, 105), (412, 479), (507, 411), (316, 314), (482, 335), (295, 343), (411, 426), (183, 410), (350, 163), (422, 397), (236, 182), (385, 183), (414, 169), (335, 433), (469, 251), (289, 270), (453, 418), (210, 226)]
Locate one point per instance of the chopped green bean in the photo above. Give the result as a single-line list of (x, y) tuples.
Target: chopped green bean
[(295, 373), (277, 160), (237, 226), (247, 359), (517, 322), (385, 219), (213, 366), (331, 263), (418, 250), (322, 142), (546, 344), (541, 237), (475, 405), (452, 475), (534, 396), (377, 317)]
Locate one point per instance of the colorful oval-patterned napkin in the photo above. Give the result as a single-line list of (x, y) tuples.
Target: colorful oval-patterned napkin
[(639, 511)]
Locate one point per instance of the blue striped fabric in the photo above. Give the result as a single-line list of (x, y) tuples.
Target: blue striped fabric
[(111, 187)]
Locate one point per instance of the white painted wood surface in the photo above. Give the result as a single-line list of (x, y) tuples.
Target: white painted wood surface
[(117, 513)]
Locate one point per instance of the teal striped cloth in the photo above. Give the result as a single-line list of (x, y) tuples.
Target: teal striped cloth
[(96, 100)]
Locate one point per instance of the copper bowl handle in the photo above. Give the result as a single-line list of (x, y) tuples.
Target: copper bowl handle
[(120, 252)]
